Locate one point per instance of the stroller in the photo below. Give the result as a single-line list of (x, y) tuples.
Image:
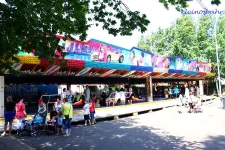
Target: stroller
[(197, 107), (32, 127), (51, 126)]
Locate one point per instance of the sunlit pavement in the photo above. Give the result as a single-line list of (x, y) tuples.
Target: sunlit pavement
[(165, 129)]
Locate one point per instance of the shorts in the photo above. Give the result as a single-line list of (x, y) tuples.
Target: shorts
[(86, 117), (59, 126), (9, 116), (92, 115)]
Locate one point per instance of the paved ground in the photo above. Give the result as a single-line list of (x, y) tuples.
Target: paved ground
[(161, 130)]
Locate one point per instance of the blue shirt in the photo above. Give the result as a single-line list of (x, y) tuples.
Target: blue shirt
[(60, 120)]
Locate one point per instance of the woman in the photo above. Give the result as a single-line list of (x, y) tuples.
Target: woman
[(92, 111), (67, 111), (42, 110), (9, 114), (58, 105), (122, 96), (20, 114)]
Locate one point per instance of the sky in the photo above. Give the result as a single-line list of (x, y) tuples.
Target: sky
[(158, 15)]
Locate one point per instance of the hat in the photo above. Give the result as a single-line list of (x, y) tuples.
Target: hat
[(40, 100)]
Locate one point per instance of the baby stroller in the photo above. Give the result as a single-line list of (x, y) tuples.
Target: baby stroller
[(197, 107), (31, 127), (51, 126), (27, 129)]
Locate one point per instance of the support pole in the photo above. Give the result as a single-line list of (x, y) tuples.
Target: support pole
[(2, 99), (149, 89), (201, 87)]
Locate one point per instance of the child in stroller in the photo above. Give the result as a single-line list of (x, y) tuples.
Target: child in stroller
[(32, 126), (52, 123)]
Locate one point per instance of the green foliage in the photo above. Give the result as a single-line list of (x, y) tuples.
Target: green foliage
[(189, 38)]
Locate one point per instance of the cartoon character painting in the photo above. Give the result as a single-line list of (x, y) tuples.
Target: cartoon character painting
[(102, 55), (140, 61), (179, 64), (148, 60), (133, 60)]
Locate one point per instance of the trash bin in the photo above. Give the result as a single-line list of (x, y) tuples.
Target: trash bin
[(223, 101)]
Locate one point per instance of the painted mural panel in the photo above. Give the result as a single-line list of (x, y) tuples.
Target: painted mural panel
[(175, 62), (204, 67), (138, 57), (160, 61), (189, 65)]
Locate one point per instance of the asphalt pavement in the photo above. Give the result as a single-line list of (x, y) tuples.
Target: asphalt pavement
[(162, 130)]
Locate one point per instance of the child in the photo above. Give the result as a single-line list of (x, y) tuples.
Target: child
[(59, 123), (86, 113)]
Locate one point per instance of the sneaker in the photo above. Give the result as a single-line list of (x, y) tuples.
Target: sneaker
[(3, 134), (85, 124)]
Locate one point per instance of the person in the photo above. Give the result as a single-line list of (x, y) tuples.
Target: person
[(122, 96), (63, 95), (67, 111), (92, 111), (133, 60), (131, 94), (53, 113), (117, 96), (42, 110), (78, 97), (58, 105), (9, 114), (59, 123), (176, 91), (87, 93), (197, 91), (166, 92), (191, 102), (20, 114), (86, 109), (69, 95)]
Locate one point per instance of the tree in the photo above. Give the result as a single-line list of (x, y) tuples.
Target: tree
[(177, 40), (30, 25), (221, 43)]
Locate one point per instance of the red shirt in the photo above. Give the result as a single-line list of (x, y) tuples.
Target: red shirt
[(92, 108), (20, 108)]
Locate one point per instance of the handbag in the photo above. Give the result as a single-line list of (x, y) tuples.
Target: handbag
[(67, 116)]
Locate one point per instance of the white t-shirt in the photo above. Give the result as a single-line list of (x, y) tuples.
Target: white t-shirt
[(86, 109), (63, 95), (117, 96), (122, 95)]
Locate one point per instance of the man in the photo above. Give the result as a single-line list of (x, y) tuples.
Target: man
[(69, 95), (87, 93), (63, 95)]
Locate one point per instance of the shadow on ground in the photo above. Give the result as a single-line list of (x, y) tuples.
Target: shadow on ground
[(123, 134)]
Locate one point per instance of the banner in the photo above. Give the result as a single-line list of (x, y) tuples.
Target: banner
[(30, 93)]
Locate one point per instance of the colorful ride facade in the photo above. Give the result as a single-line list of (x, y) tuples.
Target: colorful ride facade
[(96, 58)]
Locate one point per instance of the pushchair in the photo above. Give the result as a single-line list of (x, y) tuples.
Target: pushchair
[(32, 127), (51, 126), (197, 107)]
